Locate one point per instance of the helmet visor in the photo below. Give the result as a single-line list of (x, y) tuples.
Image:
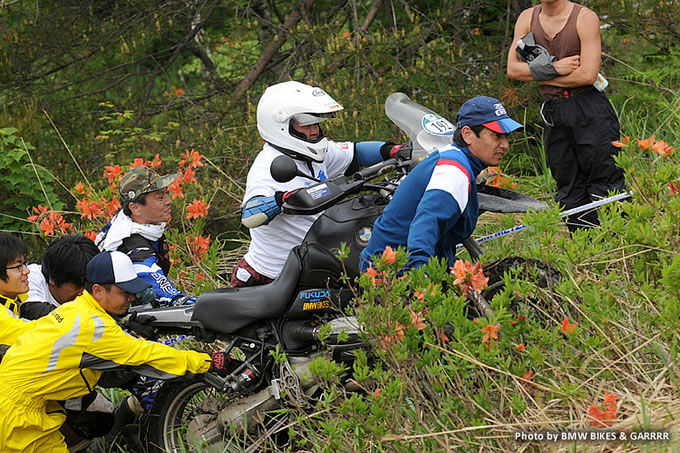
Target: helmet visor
[(305, 119)]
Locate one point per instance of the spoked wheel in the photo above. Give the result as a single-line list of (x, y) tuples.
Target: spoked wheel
[(186, 418), (544, 303)]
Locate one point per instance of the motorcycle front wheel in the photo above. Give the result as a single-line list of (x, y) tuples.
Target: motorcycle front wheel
[(185, 418)]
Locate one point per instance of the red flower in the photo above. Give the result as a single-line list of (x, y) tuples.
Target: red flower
[(566, 327), (520, 347), (620, 144), (113, 174), (175, 189), (662, 148), (526, 378), (194, 158), (490, 333), (89, 209), (199, 246), (673, 188), (389, 255), (91, 235), (469, 276), (646, 143), (418, 320), (196, 209), (80, 188), (49, 220), (137, 162), (602, 415), (188, 176), (156, 162)]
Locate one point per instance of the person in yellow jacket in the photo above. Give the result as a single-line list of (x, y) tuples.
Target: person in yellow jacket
[(13, 288), (64, 356)]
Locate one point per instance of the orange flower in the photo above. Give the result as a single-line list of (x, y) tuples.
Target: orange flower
[(156, 162), (490, 333), (419, 295), (196, 209), (175, 190), (389, 255), (469, 276), (194, 158), (89, 209), (526, 378), (188, 176), (519, 318), (137, 162), (200, 277), (673, 188), (520, 347), (199, 245), (80, 188), (112, 206), (566, 327), (646, 143), (602, 415), (377, 392), (113, 174), (662, 148), (40, 210), (418, 320), (91, 235), (624, 141), (371, 272)]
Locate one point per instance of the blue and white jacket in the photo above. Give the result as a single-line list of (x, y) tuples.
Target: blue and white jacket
[(434, 208)]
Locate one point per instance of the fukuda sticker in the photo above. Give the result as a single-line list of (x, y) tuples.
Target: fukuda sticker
[(436, 125)]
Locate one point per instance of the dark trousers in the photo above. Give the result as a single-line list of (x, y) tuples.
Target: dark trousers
[(578, 140)]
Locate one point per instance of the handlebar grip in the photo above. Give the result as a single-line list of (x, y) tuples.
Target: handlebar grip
[(214, 381), (375, 170)]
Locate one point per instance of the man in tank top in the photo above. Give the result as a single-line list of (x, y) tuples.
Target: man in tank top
[(580, 123)]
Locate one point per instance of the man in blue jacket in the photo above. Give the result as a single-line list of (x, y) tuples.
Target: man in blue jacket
[(436, 205)]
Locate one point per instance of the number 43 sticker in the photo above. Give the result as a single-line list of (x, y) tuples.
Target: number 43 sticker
[(436, 125)]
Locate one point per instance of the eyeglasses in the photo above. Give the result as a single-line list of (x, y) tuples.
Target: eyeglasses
[(18, 267)]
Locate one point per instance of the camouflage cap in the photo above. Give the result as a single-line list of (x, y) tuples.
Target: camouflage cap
[(140, 180)]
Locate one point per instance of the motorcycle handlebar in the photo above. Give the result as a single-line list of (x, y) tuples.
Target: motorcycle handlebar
[(375, 170), (214, 381)]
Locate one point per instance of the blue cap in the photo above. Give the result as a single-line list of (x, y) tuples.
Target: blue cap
[(487, 112), (116, 268)]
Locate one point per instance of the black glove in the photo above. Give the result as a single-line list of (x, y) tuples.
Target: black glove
[(400, 152), (148, 296), (141, 325), (281, 196), (220, 363)]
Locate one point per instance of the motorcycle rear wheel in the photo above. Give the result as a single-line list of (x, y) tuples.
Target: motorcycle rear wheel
[(185, 411)]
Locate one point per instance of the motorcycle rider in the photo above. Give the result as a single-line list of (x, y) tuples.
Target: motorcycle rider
[(138, 230), (289, 117), (64, 354), (436, 207)]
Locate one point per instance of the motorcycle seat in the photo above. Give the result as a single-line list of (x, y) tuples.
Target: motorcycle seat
[(227, 310)]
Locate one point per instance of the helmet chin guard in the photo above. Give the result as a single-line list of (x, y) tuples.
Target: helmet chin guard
[(305, 104)]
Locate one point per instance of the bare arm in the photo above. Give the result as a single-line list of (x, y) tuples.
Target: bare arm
[(516, 69), (588, 28)]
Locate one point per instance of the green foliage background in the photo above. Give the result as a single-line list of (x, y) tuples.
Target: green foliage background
[(98, 83)]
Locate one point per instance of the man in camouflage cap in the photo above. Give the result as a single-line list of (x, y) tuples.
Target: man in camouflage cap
[(138, 230)]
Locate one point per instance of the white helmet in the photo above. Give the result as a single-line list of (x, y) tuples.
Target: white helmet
[(306, 105)]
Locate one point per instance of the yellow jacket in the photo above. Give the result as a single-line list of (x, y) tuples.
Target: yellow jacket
[(64, 355), (11, 325)]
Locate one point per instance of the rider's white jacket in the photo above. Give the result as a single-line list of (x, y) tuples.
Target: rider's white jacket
[(270, 244)]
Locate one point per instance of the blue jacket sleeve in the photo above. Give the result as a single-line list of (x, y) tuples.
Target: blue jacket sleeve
[(436, 211), (368, 153)]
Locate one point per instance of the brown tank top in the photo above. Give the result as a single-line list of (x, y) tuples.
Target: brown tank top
[(565, 43)]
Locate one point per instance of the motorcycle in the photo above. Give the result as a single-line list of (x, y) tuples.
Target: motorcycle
[(275, 332)]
